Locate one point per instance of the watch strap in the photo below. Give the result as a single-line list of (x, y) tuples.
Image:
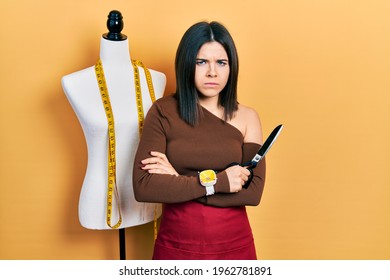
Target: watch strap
[(210, 190)]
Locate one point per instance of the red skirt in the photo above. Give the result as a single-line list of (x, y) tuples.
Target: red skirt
[(193, 231)]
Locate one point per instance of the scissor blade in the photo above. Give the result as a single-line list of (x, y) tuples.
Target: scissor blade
[(267, 144)]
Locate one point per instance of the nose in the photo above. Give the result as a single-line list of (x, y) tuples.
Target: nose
[(211, 73)]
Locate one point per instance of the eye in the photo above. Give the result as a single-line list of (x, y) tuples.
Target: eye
[(222, 62), (201, 61)]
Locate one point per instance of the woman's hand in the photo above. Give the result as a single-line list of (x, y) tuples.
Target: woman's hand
[(237, 176), (158, 164)]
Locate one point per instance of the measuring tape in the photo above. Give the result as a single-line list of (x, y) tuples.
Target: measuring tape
[(112, 188), (140, 109), (137, 83)]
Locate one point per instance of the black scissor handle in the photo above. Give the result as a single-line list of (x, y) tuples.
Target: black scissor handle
[(249, 166)]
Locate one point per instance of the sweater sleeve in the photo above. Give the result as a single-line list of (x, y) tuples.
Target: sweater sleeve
[(164, 188), (250, 196)]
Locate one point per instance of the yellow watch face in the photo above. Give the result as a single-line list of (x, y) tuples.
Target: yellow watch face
[(207, 176)]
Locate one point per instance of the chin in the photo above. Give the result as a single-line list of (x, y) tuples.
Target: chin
[(209, 93)]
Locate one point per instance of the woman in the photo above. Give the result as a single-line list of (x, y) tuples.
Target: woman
[(201, 127)]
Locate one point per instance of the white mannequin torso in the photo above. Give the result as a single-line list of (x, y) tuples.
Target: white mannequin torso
[(82, 91)]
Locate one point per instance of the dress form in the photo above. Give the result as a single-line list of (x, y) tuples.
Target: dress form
[(82, 91)]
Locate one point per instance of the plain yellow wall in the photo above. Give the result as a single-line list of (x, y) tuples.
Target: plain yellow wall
[(321, 68)]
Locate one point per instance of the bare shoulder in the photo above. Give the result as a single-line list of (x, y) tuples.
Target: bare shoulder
[(247, 112), (249, 118)]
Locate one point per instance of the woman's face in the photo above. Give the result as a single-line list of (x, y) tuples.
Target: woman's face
[(212, 70)]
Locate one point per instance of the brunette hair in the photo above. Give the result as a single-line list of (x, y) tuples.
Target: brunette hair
[(185, 63)]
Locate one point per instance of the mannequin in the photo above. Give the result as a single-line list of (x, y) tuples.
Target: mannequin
[(82, 91)]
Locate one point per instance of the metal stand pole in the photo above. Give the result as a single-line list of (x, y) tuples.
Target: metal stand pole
[(122, 244)]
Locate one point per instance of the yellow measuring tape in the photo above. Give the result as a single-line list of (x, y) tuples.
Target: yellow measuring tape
[(112, 187), (137, 83)]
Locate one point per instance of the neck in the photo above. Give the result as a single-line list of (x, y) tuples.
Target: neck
[(114, 51), (212, 105)]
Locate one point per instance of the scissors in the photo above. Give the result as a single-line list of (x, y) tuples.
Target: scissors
[(250, 165)]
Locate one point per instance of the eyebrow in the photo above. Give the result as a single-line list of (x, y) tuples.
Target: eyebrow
[(204, 59)]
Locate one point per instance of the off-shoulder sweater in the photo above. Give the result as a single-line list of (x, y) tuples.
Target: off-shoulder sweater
[(211, 144)]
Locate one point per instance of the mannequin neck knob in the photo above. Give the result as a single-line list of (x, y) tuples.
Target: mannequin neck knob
[(115, 26)]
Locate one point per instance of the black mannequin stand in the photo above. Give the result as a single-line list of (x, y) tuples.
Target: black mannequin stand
[(122, 244), (115, 26)]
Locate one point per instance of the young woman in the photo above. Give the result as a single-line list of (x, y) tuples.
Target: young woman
[(192, 136)]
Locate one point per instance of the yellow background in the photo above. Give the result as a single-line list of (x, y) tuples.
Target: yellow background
[(319, 67)]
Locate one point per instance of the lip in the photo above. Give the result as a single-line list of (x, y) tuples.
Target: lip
[(211, 84)]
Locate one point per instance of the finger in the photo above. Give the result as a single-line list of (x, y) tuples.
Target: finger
[(157, 171), (158, 154), (162, 171), (147, 161), (246, 171), (149, 166), (154, 166), (152, 160)]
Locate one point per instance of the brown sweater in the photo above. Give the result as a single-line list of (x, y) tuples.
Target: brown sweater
[(212, 144)]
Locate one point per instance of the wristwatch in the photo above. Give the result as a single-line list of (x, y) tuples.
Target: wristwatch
[(208, 178)]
